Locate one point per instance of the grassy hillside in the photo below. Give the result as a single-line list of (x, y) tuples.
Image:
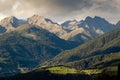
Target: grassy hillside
[(101, 52), (63, 70), (98, 61)]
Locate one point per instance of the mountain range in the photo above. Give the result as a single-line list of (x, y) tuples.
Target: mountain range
[(26, 44), (87, 29), (72, 30)]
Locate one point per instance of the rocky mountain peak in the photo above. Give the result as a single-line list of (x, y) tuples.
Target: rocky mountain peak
[(47, 24), (37, 17), (94, 18), (38, 20), (10, 19), (10, 23), (88, 18), (94, 26), (69, 22), (97, 17)]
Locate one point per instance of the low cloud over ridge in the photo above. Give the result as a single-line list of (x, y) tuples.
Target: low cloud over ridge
[(61, 10)]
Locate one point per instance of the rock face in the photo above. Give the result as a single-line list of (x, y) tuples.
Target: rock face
[(10, 23), (46, 24), (86, 29)]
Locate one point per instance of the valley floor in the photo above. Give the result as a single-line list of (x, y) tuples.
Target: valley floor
[(63, 73)]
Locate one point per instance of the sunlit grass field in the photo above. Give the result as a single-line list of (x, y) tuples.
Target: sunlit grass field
[(67, 70)]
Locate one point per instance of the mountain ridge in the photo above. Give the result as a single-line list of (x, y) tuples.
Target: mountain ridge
[(10, 23), (47, 24), (86, 55), (93, 28), (72, 30), (27, 47)]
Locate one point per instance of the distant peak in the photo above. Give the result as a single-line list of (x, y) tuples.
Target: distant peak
[(71, 21), (37, 20), (12, 21), (100, 19), (37, 16), (88, 18), (9, 19), (97, 17), (12, 17)]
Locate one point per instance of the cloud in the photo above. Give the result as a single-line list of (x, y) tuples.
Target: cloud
[(61, 10)]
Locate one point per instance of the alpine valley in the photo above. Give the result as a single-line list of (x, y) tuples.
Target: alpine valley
[(39, 49)]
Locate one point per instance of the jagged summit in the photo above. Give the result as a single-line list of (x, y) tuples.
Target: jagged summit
[(88, 18), (98, 17), (36, 15), (47, 24), (70, 25), (95, 17), (10, 23), (36, 19), (10, 19), (69, 22), (86, 29), (73, 30)]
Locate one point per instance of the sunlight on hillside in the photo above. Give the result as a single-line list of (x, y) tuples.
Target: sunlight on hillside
[(67, 70), (62, 70)]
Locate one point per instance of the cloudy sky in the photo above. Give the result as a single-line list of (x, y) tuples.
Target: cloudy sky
[(61, 10)]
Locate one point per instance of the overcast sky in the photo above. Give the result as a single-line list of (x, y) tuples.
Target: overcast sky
[(61, 10)]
